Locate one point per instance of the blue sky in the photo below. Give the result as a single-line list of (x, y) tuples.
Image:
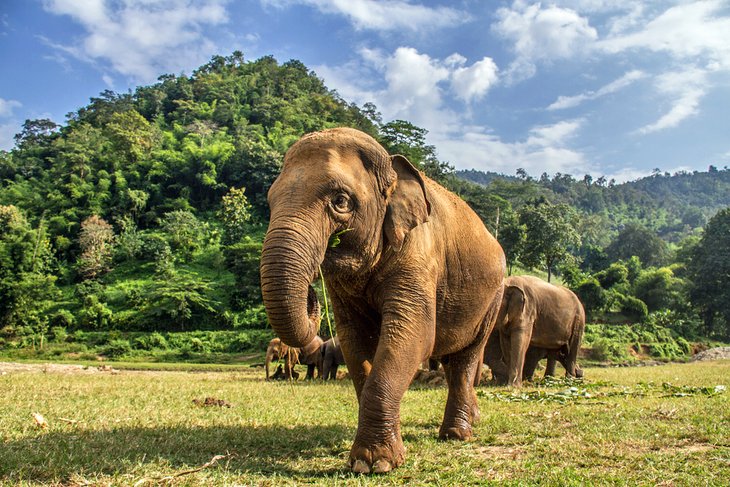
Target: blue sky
[(606, 87)]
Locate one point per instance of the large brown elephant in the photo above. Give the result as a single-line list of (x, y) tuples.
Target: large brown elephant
[(401, 257), (546, 318), (494, 359)]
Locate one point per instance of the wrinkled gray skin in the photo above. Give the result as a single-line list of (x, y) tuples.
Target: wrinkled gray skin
[(495, 361), (332, 358), (402, 279), (538, 314)]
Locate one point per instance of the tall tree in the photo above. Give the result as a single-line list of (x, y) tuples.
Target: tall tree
[(709, 269), (551, 233)]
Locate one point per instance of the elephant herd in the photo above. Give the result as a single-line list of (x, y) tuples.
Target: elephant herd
[(413, 274), (536, 320)]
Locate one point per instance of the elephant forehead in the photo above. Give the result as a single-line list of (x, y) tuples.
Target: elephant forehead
[(326, 167)]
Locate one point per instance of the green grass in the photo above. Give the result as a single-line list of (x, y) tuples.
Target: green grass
[(134, 425)]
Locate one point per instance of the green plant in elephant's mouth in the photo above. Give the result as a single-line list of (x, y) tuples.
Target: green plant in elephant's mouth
[(333, 243)]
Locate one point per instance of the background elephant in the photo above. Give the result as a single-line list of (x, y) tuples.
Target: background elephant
[(332, 358), (291, 356), (278, 350), (537, 314), (402, 275), (311, 356), (495, 361)]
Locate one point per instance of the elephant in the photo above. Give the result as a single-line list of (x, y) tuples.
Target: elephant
[(495, 361), (310, 357), (332, 358), (292, 356), (411, 270), (546, 318)]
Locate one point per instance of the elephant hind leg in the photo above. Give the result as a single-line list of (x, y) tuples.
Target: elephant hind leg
[(571, 366), (461, 369)]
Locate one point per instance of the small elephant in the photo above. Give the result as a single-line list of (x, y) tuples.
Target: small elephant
[(547, 318), (495, 361), (411, 269), (310, 355), (332, 358), (278, 350)]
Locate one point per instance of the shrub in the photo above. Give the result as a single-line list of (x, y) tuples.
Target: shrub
[(604, 349), (633, 308), (59, 334), (116, 348), (63, 318)]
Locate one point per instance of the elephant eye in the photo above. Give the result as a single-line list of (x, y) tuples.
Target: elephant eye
[(342, 203)]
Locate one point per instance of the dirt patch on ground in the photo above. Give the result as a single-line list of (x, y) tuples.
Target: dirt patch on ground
[(13, 367), (717, 353)]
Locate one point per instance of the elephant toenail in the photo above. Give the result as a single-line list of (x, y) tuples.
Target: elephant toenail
[(382, 466), (360, 467)]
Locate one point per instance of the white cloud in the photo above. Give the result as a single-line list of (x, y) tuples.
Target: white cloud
[(410, 85), (686, 89), (142, 39), (572, 101), (385, 15), (687, 31), (7, 107), (472, 82), (545, 149), (541, 34)]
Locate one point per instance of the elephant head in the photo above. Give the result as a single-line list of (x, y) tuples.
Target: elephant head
[(338, 181)]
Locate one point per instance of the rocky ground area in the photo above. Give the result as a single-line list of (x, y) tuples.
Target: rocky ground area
[(717, 353)]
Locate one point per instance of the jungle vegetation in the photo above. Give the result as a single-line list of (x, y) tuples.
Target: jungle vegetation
[(145, 212)]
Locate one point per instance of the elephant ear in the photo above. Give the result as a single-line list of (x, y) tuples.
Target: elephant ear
[(516, 298), (408, 204)]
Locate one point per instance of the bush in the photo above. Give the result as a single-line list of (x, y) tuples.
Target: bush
[(633, 308), (604, 349), (116, 348), (59, 334), (63, 318), (150, 342)]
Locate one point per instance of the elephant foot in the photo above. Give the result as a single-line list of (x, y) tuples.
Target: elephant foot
[(455, 432), (381, 458), (459, 428)]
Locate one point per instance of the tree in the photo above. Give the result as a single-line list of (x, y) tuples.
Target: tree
[(710, 273), (184, 231), (512, 238), (550, 233), (26, 284), (402, 137), (96, 241), (235, 212), (639, 241), (659, 288)]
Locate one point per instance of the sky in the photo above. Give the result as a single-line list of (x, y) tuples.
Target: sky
[(611, 88)]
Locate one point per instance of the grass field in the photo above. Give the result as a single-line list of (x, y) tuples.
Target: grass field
[(620, 426)]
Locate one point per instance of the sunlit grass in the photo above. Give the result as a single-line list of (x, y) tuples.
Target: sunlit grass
[(137, 426)]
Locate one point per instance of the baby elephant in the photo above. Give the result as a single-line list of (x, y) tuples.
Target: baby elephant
[(543, 317), (278, 350), (332, 358)]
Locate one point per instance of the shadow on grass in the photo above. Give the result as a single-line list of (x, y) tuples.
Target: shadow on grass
[(266, 450)]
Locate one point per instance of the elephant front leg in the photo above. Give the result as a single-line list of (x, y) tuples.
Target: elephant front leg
[(519, 341), (378, 446)]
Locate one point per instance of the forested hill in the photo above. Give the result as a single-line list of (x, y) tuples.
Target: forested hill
[(669, 204), (146, 210)]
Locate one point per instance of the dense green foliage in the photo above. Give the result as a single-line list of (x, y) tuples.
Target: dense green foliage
[(146, 211)]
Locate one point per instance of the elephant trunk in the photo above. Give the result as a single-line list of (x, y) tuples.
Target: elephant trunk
[(289, 263)]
